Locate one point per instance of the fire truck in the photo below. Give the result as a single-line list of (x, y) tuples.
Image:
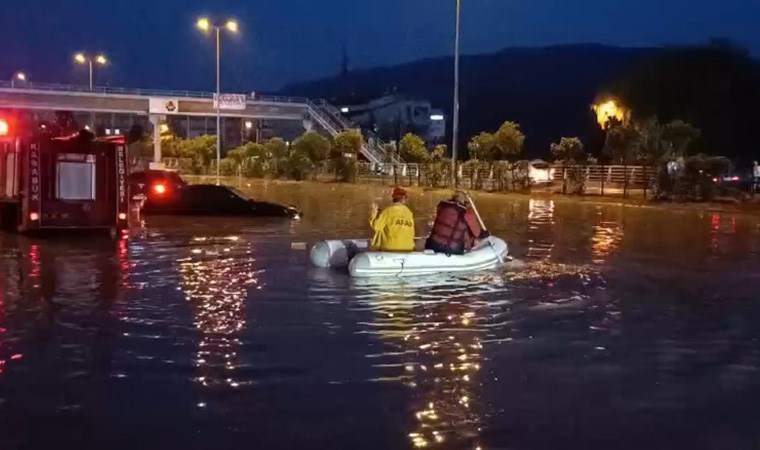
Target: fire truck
[(68, 182)]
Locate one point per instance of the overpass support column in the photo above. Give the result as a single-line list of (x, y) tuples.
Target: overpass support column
[(155, 120)]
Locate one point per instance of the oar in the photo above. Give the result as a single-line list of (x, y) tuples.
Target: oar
[(483, 226)]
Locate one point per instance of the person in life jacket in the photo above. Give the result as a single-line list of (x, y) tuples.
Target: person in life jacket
[(456, 229), (394, 227)]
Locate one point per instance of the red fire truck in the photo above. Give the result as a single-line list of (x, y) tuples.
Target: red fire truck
[(68, 182)]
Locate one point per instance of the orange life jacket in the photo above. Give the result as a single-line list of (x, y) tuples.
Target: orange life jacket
[(450, 228)]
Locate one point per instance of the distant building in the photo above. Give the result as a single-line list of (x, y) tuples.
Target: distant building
[(392, 116)]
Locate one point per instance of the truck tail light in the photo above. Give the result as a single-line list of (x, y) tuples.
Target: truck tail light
[(4, 127), (159, 188)]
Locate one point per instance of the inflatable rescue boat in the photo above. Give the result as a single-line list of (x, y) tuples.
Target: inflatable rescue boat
[(361, 262)]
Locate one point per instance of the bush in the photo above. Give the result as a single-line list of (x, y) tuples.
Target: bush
[(300, 165), (313, 146)]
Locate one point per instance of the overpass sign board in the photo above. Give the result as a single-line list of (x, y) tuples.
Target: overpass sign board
[(230, 101), (163, 105)]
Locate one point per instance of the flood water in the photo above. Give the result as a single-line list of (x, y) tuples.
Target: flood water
[(616, 328)]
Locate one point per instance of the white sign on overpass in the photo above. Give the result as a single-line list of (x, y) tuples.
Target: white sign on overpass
[(234, 102), (163, 105)]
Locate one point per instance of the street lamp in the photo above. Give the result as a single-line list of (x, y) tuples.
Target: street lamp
[(82, 58), (455, 119), (205, 25), (18, 76)]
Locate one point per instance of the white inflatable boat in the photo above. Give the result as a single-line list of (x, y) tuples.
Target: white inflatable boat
[(361, 262)]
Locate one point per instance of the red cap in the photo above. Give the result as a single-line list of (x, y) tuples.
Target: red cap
[(398, 192)]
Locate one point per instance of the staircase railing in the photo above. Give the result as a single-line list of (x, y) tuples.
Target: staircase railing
[(331, 120)]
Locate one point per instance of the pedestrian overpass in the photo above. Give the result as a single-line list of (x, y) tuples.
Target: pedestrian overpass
[(158, 104)]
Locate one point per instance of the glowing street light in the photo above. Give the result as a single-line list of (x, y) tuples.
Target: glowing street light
[(83, 58), (609, 110), (205, 24), (18, 76)]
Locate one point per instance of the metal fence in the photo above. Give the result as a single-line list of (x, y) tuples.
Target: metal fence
[(602, 180)]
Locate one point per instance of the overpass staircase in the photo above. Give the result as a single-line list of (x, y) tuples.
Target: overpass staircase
[(330, 120)]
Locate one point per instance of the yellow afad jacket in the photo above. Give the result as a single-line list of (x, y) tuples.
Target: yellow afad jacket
[(393, 229)]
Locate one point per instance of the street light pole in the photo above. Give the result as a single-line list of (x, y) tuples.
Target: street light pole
[(91, 81), (91, 60), (218, 105), (205, 25), (455, 120)]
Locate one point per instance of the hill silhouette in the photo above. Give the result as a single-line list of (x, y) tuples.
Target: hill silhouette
[(549, 90)]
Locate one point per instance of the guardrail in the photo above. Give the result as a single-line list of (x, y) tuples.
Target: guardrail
[(631, 175), (105, 90)]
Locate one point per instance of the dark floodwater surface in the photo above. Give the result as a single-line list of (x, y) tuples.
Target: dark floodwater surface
[(617, 328)]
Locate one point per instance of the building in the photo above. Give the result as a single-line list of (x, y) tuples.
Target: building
[(392, 116)]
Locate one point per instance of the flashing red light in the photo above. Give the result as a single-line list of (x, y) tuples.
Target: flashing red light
[(34, 217), (159, 189), (4, 127), (715, 180)]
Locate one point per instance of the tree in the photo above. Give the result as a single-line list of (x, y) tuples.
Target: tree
[(202, 150), (680, 135), (346, 147), (509, 140), (276, 148), (256, 160), (569, 150), (412, 149), (623, 145), (347, 141), (237, 156), (300, 164), (439, 152), (254, 150), (313, 145), (483, 147)]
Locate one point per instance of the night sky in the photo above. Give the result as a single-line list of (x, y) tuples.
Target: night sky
[(154, 43)]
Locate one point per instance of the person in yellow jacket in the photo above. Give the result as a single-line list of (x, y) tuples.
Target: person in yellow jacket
[(394, 227)]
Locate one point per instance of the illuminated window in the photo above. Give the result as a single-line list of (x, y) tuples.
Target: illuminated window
[(76, 180)]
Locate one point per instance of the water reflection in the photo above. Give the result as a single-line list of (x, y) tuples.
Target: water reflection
[(433, 329), (540, 228), (607, 236), (59, 304), (216, 275)]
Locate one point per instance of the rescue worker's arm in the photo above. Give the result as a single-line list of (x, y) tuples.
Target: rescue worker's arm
[(377, 221), (472, 223)]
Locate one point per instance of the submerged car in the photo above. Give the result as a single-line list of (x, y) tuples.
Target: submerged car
[(164, 192), (155, 182)]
